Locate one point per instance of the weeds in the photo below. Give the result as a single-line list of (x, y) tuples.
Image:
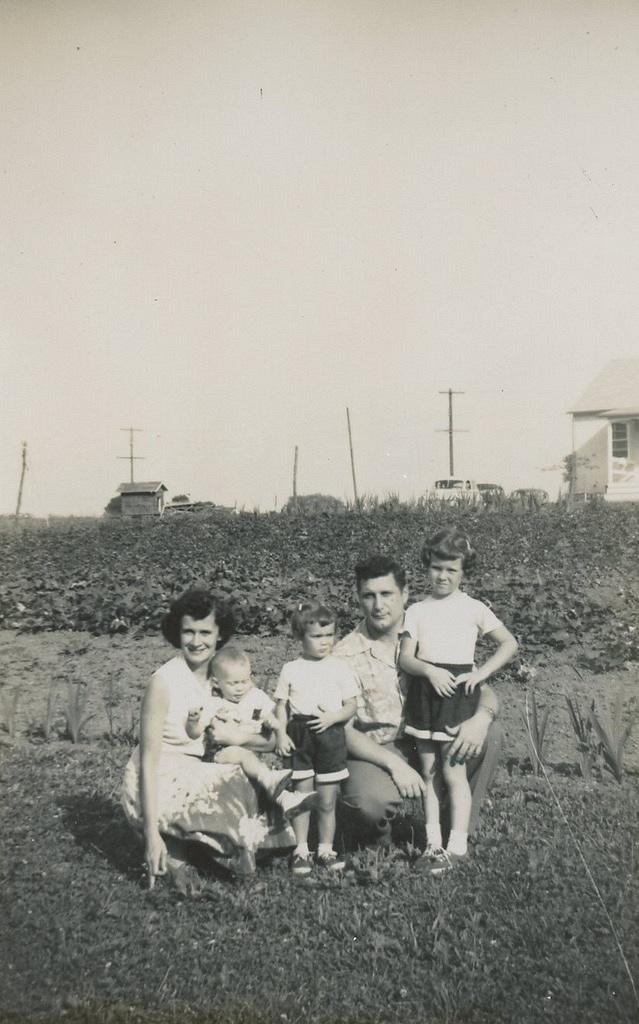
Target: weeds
[(535, 731), (614, 738), (75, 712), (9, 706), (588, 748)]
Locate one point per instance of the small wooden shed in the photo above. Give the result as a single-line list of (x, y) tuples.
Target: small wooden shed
[(142, 499)]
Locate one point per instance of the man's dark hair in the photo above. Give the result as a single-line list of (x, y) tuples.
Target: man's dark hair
[(198, 604), (379, 565)]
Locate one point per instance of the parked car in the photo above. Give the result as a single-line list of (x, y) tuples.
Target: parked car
[(491, 492), (530, 497), (458, 490)]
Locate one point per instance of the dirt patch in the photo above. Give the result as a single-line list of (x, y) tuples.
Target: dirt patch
[(113, 673)]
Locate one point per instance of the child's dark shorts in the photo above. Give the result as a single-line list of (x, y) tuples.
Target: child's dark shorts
[(428, 714), (322, 755)]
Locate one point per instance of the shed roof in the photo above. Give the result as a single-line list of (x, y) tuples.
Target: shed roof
[(142, 488), (616, 387)]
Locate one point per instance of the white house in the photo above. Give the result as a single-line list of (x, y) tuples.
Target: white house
[(605, 423)]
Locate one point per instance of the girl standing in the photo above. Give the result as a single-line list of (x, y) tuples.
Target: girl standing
[(437, 651)]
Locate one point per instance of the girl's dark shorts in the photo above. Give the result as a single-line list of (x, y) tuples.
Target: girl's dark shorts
[(428, 714)]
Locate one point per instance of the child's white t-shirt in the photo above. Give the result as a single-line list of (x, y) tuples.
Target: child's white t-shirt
[(250, 710), (307, 685), (446, 629)]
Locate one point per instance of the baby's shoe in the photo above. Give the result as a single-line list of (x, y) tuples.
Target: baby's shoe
[(293, 804), (278, 779)]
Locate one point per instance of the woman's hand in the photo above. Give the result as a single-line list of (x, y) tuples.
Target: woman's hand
[(468, 738), (442, 681), (155, 856)]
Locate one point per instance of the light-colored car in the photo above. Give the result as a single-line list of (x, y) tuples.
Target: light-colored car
[(459, 490)]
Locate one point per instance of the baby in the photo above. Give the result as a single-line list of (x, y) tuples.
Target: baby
[(237, 701)]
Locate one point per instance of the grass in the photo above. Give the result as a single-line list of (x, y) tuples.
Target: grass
[(516, 934)]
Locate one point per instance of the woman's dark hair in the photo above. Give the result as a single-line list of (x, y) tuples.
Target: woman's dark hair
[(379, 565), (308, 614), (448, 544), (198, 604)]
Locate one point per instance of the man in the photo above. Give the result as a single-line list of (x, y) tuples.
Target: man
[(380, 773)]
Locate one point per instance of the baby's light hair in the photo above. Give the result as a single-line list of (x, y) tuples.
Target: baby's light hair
[(228, 655), (310, 613), (448, 544)]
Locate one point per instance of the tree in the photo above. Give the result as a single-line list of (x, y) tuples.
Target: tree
[(114, 508), (314, 503)]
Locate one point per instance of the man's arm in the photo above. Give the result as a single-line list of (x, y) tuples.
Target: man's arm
[(360, 746), (469, 737)]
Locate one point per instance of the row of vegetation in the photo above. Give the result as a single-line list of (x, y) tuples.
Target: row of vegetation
[(561, 578)]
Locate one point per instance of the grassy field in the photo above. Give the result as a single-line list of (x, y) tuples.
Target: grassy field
[(520, 933)]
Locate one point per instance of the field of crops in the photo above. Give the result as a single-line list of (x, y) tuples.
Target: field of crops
[(561, 579)]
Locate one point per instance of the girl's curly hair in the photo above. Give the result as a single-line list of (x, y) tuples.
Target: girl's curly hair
[(447, 544)]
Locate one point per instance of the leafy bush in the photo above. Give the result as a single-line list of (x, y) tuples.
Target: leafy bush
[(561, 579)]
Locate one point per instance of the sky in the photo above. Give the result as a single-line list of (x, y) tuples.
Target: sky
[(225, 223)]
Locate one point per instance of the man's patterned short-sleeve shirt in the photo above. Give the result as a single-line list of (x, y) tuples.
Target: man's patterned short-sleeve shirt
[(382, 687)]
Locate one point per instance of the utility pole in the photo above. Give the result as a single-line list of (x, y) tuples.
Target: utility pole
[(350, 445), (24, 469), (450, 431), (131, 457), (295, 479)]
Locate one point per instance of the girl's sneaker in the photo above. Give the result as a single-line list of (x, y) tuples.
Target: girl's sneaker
[(438, 862), (330, 861), (300, 866)]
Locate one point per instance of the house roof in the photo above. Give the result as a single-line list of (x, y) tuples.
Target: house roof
[(142, 488), (616, 387)]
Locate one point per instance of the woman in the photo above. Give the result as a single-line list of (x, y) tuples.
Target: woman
[(169, 792)]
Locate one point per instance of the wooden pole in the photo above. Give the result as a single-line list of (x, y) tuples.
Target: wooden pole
[(350, 445), (451, 461), (295, 478), (24, 469)]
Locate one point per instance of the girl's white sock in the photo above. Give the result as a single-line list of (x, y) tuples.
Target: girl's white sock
[(457, 843), (301, 850), (324, 849), (434, 835)]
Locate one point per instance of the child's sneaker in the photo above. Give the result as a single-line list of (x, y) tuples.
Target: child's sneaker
[(300, 866), (279, 779), (330, 861), (293, 804), (431, 857), (441, 861)]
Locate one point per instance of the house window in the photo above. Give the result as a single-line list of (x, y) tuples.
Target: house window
[(620, 440)]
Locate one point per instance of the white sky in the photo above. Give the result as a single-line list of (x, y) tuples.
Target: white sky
[(223, 222)]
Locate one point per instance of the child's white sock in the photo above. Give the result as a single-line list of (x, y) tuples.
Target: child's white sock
[(324, 849), (301, 850), (434, 835), (457, 843)]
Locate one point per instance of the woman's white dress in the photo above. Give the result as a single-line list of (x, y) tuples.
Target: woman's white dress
[(213, 804)]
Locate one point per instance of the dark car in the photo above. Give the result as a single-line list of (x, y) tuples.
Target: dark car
[(531, 497), (492, 492)]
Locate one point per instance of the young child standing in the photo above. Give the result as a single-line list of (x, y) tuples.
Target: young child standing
[(238, 701), (315, 696), (437, 651)]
